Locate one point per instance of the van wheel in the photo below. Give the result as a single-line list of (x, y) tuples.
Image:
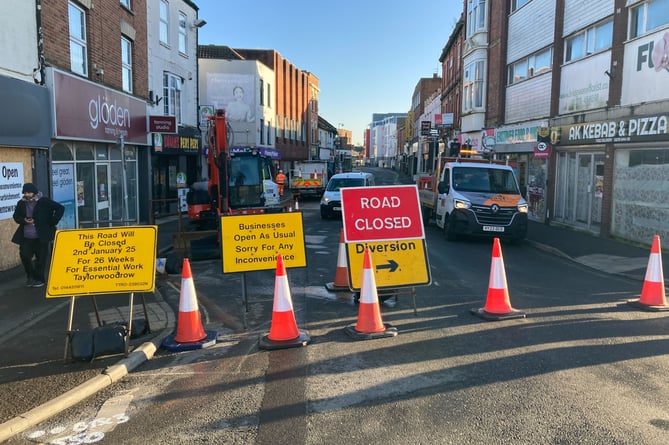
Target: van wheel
[(449, 229)]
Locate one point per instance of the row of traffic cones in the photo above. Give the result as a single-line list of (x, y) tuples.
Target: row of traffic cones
[(284, 332)]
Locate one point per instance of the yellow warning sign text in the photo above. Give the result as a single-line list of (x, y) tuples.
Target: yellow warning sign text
[(252, 242), (105, 260)]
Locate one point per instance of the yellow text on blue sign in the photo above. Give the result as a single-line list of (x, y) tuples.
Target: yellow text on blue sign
[(399, 263), (101, 261), (252, 242)]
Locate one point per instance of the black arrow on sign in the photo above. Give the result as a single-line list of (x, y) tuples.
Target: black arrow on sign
[(392, 265)]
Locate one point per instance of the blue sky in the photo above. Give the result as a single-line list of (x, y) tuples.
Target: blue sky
[(368, 55)]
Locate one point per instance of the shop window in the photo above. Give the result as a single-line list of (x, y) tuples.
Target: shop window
[(61, 152), (101, 152), (84, 152)]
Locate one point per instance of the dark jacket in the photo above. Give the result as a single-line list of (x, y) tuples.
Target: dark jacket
[(47, 214)]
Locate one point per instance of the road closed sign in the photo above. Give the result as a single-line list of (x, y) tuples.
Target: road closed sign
[(102, 261), (381, 213)]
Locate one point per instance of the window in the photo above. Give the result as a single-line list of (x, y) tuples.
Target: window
[(648, 16), (530, 66), (78, 48), (473, 86), (172, 96), (164, 22), (279, 133), (589, 41), (269, 96), (183, 47), (126, 64), (475, 16), (262, 131), (517, 4), (126, 3), (262, 93)]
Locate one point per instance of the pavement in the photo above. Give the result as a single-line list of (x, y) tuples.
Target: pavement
[(21, 307)]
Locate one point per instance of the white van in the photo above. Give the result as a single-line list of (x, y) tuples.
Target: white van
[(331, 199)]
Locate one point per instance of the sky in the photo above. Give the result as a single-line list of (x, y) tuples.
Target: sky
[(368, 55)]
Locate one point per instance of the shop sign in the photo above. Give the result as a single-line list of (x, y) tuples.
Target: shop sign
[(632, 129), (163, 124), (87, 111), (186, 142)]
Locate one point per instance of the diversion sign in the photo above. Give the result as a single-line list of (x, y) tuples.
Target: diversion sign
[(102, 261)]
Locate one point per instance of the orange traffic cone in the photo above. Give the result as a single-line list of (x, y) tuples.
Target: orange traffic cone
[(369, 325), (297, 205), (341, 274), (190, 333), (283, 332), (653, 296), (497, 306)]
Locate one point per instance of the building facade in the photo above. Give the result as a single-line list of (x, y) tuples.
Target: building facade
[(176, 151), (97, 79), (25, 124)]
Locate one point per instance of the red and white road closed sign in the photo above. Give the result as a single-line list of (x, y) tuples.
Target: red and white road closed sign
[(381, 213)]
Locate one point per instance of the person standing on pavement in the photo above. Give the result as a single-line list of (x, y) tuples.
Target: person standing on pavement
[(37, 217)]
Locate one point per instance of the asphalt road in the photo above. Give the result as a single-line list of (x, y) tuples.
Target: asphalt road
[(582, 367)]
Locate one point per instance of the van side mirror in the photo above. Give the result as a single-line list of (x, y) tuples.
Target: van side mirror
[(443, 187)]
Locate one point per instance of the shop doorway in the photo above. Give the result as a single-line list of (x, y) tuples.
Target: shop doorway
[(579, 190)]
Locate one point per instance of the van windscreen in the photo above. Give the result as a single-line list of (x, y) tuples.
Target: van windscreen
[(336, 184)]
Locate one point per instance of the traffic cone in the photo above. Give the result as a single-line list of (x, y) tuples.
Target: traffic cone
[(341, 274), (369, 325), (283, 332), (497, 306), (190, 333), (297, 205), (653, 296)]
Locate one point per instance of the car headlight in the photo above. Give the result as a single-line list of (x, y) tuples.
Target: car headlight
[(324, 201), (522, 208), (461, 204)]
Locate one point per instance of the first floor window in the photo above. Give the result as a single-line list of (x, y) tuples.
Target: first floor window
[(172, 96), (473, 86), (126, 64), (78, 43)]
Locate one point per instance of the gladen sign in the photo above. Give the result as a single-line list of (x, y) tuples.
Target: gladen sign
[(85, 110), (633, 129)]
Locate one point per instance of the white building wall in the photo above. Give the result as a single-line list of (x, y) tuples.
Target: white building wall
[(578, 14), (163, 58), (18, 39), (218, 78), (531, 28), (529, 99)]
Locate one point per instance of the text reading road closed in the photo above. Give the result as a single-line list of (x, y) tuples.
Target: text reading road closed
[(252, 242), (109, 260), (381, 213)]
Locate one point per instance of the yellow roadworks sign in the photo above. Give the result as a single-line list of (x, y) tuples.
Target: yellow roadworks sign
[(103, 261), (398, 263), (252, 242)]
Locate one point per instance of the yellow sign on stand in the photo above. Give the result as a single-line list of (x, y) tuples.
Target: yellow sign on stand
[(102, 261), (398, 263), (252, 242)]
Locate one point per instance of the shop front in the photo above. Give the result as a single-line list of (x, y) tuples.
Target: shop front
[(25, 136), (99, 147), (612, 177), (176, 161), (527, 148)]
